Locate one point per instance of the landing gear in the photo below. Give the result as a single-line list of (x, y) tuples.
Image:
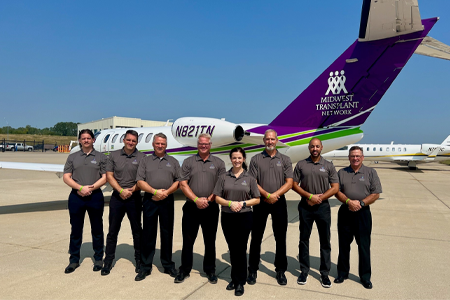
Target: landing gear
[(412, 165)]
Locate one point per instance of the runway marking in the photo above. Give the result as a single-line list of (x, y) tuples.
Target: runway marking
[(429, 190)]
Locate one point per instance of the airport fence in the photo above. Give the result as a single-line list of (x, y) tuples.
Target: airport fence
[(17, 145)]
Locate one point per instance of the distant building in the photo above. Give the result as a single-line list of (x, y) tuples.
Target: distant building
[(119, 122)]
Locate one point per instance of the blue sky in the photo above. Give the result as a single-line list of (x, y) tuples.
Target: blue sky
[(241, 60)]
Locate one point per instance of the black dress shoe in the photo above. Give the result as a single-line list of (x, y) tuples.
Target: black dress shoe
[(180, 277), (251, 279), (171, 271), (230, 286), (98, 265), (138, 266), (239, 291), (281, 278), (71, 267), (212, 278), (367, 284), (107, 266), (142, 274), (340, 279)]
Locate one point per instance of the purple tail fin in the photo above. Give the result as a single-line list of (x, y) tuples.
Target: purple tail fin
[(349, 89)]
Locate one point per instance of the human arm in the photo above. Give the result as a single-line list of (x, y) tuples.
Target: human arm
[(201, 202)]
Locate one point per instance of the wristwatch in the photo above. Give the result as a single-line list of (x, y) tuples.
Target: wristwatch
[(244, 205), (362, 203)]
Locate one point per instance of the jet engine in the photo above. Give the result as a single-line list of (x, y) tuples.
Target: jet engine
[(186, 131)]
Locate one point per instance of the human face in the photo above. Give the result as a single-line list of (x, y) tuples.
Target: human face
[(86, 141), (130, 142), (315, 148), (270, 141), (160, 145), (356, 158), (204, 145), (237, 159)]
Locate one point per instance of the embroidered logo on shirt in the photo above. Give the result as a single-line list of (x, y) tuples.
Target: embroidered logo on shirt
[(168, 165), (322, 169), (212, 167), (134, 162), (279, 163), (93, 161), (362, 178), (244, 183)]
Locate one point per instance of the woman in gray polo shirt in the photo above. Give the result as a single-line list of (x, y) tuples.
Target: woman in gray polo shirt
[(236, 191)]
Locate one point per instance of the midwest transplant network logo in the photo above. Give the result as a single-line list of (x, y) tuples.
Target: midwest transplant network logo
[(336, 83)]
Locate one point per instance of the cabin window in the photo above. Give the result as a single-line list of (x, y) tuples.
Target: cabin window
[(368, 148), (149, 137), (115, 138), (381, 149), (393, 149), (140, 137), (106, 138), (374, 148), (122, 137), (387, 149), (404, 149), (399, 149)]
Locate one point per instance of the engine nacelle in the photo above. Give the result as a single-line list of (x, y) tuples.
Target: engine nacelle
[(187, 130)]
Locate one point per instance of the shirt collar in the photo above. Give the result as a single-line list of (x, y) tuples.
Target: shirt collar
[(265, 154), (231, 174), (198, 158), (154, 156), (122, 152), (92, 152), (320, 162), (361, 170)]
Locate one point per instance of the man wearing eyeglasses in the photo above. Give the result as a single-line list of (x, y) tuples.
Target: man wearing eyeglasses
[(359, 188), (198, 178)]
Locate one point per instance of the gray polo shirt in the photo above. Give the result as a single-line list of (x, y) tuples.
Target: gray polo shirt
[(236, 189), (202, 175), (124, 166), (270, 172), (314, 177), (361, 184), (159, 173), (86, 169)]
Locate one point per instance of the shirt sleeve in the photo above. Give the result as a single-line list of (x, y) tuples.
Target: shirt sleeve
[(254, 191), (68, 167), (341, 179), (222, 169), (297, 173), (185, 171), (253, 168), (332, 174), (287, 167), (140, 175), (103, 164), (218, 189), (110, 163), (177, 170), (375, 184)]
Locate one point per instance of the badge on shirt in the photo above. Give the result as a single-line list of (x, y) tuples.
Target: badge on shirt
[(362, 178), (168, 165), (279, 164), (93, 161), (212, 166), (134, 162), (322, 169), (244, 183)]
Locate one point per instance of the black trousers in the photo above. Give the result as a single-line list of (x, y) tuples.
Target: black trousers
[(164, 211), (193, 218), (279, 214), (117, 210), (359, 225), (321, 214), (78, 206), (236, 229)]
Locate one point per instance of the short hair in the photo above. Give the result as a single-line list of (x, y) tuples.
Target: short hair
[(133, 133), (353, 148), (160, 135), (204, 135), (315, 139), (270, 130), (88, 131)]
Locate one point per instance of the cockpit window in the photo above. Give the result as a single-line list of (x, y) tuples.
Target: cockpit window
[(115, 138), (140, 137), (97, 134), (106, 138), (343, 148), (122, 137)]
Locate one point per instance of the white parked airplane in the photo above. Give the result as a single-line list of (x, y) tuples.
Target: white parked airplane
[(332, 108), (406, 155)]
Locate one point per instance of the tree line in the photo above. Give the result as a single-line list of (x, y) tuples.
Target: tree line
[(60, 128)]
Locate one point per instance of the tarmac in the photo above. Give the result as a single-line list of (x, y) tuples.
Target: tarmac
[(410, 245)]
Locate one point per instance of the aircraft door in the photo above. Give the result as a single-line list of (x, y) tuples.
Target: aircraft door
[(105, 145)]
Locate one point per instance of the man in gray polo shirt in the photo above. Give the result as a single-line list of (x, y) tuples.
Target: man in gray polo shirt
[(198, 177), (359, 188), (158, 177), (273, 173), (121, 170), (315, 179)]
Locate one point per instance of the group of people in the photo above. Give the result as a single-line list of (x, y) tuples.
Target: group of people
[(246, 197)]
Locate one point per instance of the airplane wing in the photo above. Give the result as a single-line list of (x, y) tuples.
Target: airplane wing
[(434, 48), (434, 153), (58, 169)]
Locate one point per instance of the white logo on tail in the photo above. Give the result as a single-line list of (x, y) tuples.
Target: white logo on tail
[(336, 83)]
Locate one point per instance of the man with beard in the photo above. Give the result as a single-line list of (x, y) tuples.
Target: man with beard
[(359, 188), (157, 176), (273, 173), (121, 170), (315, 179)]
